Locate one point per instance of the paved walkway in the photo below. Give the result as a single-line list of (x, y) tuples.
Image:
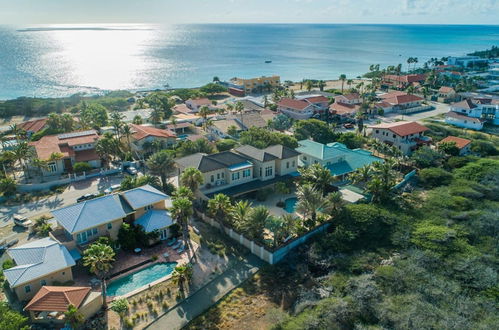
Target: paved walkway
[(208, 295)]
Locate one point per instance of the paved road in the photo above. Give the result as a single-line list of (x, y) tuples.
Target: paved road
[(69, 196), (208, 295)]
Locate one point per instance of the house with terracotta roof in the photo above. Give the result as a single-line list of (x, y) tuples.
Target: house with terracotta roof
[(73, 147), (464, 145), (81, 223), (405, 136), (33, 126), (351, 98), (143, 134), (402, 81), (344, 109), (400, 102), (447, 94), (296, 109), (195, 104), (51, 302), (38, 263)]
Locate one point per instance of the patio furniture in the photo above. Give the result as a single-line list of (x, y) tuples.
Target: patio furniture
[(181, 249), (137, 250), (177, 245), (172, 241)]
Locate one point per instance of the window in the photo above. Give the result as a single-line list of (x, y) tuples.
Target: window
[(246, 173), (149, 207), (212, 179), (27, 288), (43, 282), (287, 164), (89, 232), (63, 273), (52, 167), (94, 231), (109, 225), (377, 131), (235, 176), (304, 157), (260, 171), (268, 171), (394, 136), (293, 163), (218, 176), (223, 175)]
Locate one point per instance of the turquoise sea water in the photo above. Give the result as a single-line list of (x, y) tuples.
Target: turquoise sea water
[(138, 279), (65, 59)]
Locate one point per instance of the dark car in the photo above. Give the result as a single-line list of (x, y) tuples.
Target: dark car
[(85, 197)]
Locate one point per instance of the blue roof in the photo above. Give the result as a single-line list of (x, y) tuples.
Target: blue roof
[(88, 214), (75, 254), (154, 219), (344, 160), (142, 196), (37, 259)]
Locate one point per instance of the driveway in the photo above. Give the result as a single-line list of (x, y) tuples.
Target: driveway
[(68, 197)]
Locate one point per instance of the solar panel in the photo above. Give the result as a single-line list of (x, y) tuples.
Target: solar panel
[(76, 134)]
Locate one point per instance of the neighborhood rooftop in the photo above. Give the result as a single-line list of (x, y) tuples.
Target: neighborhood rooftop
[(154, 220), (142, 196), (57, 298), (402, 128), (35, 259)]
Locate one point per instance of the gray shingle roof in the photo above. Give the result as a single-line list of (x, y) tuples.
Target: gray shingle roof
[(142, 196), (256, 153), (207, 163), (154, 219), (36, 259), (81, 216), (282, 152)]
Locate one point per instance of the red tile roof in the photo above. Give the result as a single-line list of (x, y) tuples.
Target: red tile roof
[(446, 90), (460, 142), (57, 298), (401, 99), (62, 143), (141, 132), (408, 78), (343, 108), (402, 128), (351, 96), (316, 99), (86, 155), (33, 125), (293, 104), (200, 102), (392, 94)]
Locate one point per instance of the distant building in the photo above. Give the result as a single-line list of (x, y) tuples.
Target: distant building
[(352, 98), (473, 113), (195, 104), (447, 94), (33, 126), (466, 61), (143, 134), (303, 107), (74, 147), (400, 102), (463, 145), (405, 136), (220, 128), (334, 156), (460, 120), (241, 86), (402, 81)]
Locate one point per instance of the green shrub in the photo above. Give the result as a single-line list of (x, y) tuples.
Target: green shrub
[(81, 167), (8, 264), (434, 176)]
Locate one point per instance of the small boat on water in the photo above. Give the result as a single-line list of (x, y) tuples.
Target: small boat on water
[(268, 61)]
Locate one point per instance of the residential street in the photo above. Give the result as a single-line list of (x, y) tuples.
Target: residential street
[(45, 205)]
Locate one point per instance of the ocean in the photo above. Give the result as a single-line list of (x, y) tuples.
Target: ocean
[(60, 60)]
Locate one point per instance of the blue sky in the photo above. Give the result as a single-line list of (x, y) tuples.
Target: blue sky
[(250, 11)]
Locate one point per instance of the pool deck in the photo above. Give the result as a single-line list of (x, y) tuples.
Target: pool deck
[(271, 202)]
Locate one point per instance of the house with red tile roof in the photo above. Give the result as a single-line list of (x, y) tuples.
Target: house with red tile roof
[(352, 98), (51, 302), (400, 101), (143, 135), (405, 136), (447, 94), (296, 109), (464, 145), (403, 81), (195, 104), (344, 109), (33, 126), (62, 151)]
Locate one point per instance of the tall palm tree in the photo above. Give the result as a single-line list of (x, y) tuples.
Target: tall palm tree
[(182, 275), (220, 208), (99, 258), (204, 111), (318, 176), (183, 192), (290, 224), (156, 116), (192, 178), (335, 203), (321, 84), (161, 164), (127, 133), (21, 152), (342, 77), (40, 165), (117, 122), (239, 108), (309, 84), (310, 201), (259, 216), (74, 317), (361, 175), (182, 211), (240, 213)]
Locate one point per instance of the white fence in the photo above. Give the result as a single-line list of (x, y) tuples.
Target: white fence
[(258, 250)]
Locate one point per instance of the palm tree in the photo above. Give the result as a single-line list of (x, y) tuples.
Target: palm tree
[(230, 107), (182, 211), (161, 164), (117, 122), (335, 202), (40, 165), (258, 218), (239, 108), (342, 78), (309, 85), (21, 152), (310, 201), (361, 175), (127, 133), (182, 275), (290, 224), (192, 178), (156, 116), (204, 111), (99, 258), (349, 83), (240, 213), (74, 317), (183, 192), (321, 84), (220, 208), (318, 176)]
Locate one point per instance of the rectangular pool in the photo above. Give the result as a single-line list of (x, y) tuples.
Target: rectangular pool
[(140, 278)]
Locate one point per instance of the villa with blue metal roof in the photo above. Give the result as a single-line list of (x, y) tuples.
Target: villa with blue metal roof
[(335, 156), (83, 222), (38, 263)]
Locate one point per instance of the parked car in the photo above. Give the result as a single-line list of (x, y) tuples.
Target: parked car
[(113, 188), (131, 170), (85, 197), (348, 125), (21, 221), (4, 244)]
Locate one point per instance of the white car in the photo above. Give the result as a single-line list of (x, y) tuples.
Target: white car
[(114, 187), (22, 221)]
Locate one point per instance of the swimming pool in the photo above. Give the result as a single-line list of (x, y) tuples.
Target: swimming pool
[(183, 136), (140, 278), (290, 204)]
